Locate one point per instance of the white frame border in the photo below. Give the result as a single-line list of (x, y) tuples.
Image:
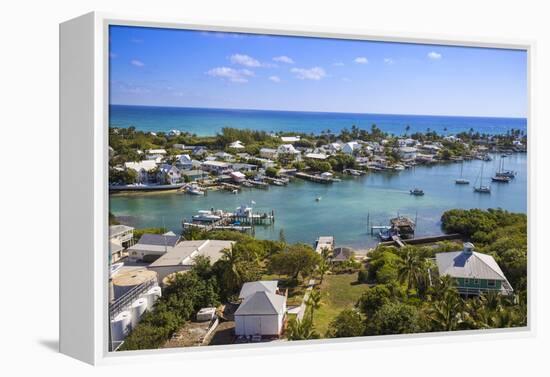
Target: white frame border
[(102, 21)]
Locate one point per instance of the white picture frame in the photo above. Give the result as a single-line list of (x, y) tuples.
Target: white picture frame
[(84, 189)]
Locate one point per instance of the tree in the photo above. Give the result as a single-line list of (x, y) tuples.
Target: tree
[(373, 299), (301, 330), (446, 314), (322, 269), (394, 318), (313, 302), (411, 268), (347, 324), (298, 259)]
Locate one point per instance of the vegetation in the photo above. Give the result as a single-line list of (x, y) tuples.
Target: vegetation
[(347, 324)]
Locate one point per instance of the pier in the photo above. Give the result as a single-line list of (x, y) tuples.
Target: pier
[(399, 242), (314, 178)]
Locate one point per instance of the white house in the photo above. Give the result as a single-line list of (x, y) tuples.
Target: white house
[(236, 145), (153, 154), (174, 133), (223, 156), (169, 174), (142, 168), (316, 156), (334, 147), (261, 312), (268, 153), (237, 176), (290, 139), (184, 161), (407, 153), (351, 147), (287, 149), (178, 146), (217, 167)]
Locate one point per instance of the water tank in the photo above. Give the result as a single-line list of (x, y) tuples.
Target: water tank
[(120, 326), (137, 308), (152, 296), (127, 279)]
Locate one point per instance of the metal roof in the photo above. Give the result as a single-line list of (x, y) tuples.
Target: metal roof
[(460, 264), (252, 287), (262, 303), (184, 252)]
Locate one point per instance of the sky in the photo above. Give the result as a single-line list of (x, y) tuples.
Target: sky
[(186, 68)]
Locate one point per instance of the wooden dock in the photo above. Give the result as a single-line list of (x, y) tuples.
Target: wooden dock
[(314, 178)]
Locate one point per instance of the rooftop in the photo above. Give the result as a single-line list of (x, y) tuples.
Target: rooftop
[(258, 286), (184, 252), (262, 303)]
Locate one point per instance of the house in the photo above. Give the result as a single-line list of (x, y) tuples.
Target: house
[(151, 246), (351, 147), (245, 167), (142, 168), (407, 153), (174, 133), (181, 257), (290, 139), (252, 287), (216, 167), (473, 272), (236, 145), (224, 156), (120, 237), (287, 149), (334, 148), (324, 242), (261, 312), (193, 175), (153, 154), (237, 176), (316, 156), (430, 148), (199, 151), (184, 162), (342, 254), (169, 174), (268, 153)]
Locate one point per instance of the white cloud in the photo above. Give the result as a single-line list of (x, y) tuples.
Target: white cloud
[(434, 55), (247, 61), (137, 63), (283, 59), (338, 64), (361, 60), (389, 61), (230, 74), (275, 78), (315, 73)]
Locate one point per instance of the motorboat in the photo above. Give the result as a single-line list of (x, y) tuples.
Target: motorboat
[(417, 192)]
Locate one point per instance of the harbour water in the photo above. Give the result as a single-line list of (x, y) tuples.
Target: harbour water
[(210, 121), (344, 206)]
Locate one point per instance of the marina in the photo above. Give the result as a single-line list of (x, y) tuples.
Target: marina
[(345, 205)]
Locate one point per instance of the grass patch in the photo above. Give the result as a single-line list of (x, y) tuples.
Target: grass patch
[(295, 292), (339, 292)]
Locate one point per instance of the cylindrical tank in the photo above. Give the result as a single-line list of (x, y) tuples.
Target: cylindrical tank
[(125, 280), (152, 296), (137, 308), (120, 325)]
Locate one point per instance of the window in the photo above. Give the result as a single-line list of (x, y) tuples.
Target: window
[(466, 281), (491, 283), (476, 282)]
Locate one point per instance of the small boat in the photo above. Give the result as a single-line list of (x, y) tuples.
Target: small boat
[(417, 192), (235, 192), (194, 190), (461, 180), (387, 234), (277, 182), (482, 188), (501, 179), (398, 167), (506, 175), (206, 216), (318, 199)]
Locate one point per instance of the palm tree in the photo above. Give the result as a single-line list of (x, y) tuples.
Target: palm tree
[(322, 269), (313, 302), (301, 330), (411, 268), (446, 315), (232, 277)]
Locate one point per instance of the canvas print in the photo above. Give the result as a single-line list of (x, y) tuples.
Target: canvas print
[(269, 188)]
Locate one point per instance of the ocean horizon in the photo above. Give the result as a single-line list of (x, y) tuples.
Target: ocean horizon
[(209, 121)]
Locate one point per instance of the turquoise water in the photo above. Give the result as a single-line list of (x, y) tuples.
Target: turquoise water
[(210, 121), (345, 206)]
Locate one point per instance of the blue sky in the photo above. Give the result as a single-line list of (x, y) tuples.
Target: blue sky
[(167, 67)]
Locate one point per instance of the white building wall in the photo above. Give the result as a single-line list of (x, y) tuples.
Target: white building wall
[(262, 325)]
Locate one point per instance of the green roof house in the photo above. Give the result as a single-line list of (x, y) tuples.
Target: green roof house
[(474, 273)]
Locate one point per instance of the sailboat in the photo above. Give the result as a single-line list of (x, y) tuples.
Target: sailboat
[(503, 175), (462, 181), (481, 188)]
